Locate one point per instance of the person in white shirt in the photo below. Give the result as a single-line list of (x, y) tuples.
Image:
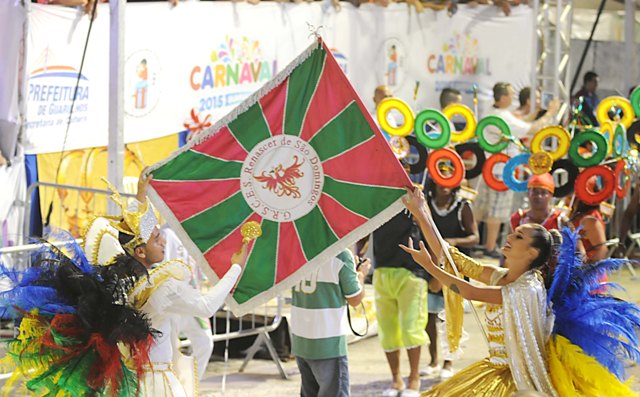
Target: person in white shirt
[(165, 295), (493, 207)]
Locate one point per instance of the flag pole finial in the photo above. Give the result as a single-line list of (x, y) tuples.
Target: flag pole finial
[(315, 31)]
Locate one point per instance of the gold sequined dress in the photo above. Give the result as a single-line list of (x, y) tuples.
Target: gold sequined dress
[(516, 356)]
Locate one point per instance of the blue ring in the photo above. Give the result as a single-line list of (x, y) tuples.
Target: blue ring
[(508, 172)]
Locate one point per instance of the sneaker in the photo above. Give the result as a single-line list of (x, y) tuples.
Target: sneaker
[(495, 254), (446, 374), (429, 370)]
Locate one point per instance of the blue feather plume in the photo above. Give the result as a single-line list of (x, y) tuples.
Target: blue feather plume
[(603, 326)]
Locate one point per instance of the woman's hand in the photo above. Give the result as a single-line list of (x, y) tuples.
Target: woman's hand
[(420, 256), (415, 202)]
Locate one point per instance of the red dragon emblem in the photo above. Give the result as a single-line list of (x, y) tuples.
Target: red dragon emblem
[(282, 181)]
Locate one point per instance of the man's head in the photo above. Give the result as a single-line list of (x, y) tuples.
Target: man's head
[(147, 253), (590, 81), (540, 191), (502, 95), (524, 97), (449, 96), (381, 92)]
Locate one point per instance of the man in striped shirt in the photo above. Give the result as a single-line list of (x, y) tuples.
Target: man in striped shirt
[(319, 324)]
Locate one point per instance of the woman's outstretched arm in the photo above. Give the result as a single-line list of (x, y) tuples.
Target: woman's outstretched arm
[(468, 291)]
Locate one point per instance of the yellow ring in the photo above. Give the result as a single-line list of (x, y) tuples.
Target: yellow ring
[(401, 106), (469, 130), (564, 140), (617, 101), (608, 127)]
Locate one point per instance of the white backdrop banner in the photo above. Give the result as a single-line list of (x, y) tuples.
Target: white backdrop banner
[(209, 56)]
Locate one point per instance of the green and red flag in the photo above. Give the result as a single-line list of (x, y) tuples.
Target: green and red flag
[(303, 158)]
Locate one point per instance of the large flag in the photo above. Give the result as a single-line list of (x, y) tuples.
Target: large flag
[(303, 158)]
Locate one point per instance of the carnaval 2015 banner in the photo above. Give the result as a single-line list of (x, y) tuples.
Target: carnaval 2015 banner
[(210, 56)]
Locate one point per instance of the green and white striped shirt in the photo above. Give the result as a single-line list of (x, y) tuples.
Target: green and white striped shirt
[(319, 313)]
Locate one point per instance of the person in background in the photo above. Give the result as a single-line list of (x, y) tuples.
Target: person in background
[(400, 286), (540, 189), (454, 219), (592, 236), (524, 111), (589, 96), (319, 324), (494, 207)]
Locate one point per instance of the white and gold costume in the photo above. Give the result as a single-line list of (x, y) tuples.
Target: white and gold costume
[(165, 296)]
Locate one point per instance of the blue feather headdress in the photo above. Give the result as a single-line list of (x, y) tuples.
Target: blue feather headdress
[(604, 327)]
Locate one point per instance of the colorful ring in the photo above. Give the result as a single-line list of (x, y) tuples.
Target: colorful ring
[(572, 171), (622, 171), (635, 101), (619, 142), (477, 151), (385, 106), (487, 172), (606, 129), (498, 122), (633, 133), (602, 111), (469, 130), (445, 129), (419, 166), (509, 172), (458, 168), (561, 134), (595, 198), (601, 145)]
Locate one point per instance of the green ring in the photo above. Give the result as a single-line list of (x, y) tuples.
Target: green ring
[(600, 154), (635, 101), (445, 129), (619, 141), (495, 121)]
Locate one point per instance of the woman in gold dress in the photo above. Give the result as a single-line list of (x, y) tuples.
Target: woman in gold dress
[(518, 319)]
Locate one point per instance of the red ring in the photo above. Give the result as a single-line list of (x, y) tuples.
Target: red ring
[(458, 168), (487, 172), (595, 198), (621, 191)]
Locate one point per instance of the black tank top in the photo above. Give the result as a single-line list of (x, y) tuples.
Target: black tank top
[(449, 221)]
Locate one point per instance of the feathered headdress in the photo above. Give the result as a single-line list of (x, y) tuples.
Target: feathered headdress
[(71, 328)]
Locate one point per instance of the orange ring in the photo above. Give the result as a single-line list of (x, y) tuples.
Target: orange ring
[(487, 172), (458, 168), (621, 167), (595, 198)]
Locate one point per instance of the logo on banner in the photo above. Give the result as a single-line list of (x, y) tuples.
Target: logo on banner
[(142, 83), (341, 59), (282, 178), (393, 55), (235, 66), (460, 56), (51, 92)]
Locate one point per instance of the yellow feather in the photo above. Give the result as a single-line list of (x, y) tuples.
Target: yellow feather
[(558, 373), (571, 369)]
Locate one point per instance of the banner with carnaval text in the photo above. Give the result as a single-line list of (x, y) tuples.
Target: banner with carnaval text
[(198, 60)]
